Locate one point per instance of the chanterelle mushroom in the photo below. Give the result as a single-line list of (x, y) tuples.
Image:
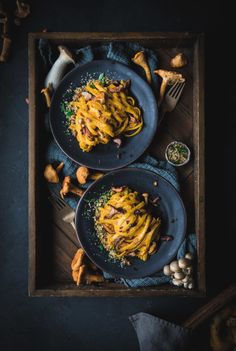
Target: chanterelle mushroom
[(78, 259), (117, 189), (178, 61), (68, 187), (3, 15), (96, 176), (80, 272), (145, 196), (114, 210), (23, 9), (4, 52), (82, 174), (168, 78), (46, 92), (118, 142), (81, 275), (51, 174), (93, 278), (140, 60)]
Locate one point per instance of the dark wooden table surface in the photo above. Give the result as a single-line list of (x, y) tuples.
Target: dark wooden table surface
[(102, 323)]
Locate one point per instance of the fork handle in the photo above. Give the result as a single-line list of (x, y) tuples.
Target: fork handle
[(161, 116)]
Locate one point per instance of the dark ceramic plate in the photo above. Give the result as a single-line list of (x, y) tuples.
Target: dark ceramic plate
[(171, 210), (105, 157)]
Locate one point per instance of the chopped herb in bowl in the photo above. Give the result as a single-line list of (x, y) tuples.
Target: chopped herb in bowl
[(177, 153)]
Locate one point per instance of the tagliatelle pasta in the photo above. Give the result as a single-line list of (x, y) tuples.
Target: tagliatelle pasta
[(125, 227), (101, 111)]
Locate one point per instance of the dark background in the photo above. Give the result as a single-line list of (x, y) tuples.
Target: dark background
[(102, 323)]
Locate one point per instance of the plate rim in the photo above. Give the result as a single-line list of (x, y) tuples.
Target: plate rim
[(153, 131), (115, 275)]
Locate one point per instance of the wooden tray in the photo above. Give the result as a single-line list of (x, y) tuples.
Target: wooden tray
[(52, 243)]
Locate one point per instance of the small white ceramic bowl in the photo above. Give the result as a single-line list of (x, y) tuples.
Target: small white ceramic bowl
[(177, 164)]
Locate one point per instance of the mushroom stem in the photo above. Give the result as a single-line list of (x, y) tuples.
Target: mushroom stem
[(68, 187), (6, 39), (162, 91), (93, 278), (140, 60), (81, 275), (46, 93), (78, 259), (96, 175), (145, 196), (23, 9), (3, 16), (5, 49), (148, 73), (75, 190), (168, 78)]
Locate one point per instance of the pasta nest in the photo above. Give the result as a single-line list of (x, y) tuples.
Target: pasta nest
[(102, 111), (126, 227)]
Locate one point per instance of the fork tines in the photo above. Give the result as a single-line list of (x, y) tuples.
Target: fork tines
[(56, 201), (176, 90)]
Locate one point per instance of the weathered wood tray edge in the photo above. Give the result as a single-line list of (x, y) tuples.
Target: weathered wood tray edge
[(199, 181), (213, 306)]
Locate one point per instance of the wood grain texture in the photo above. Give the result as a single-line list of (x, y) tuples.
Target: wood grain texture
[(213, 306), (199, 159), (52, 243), (113, 290), (31, 170)]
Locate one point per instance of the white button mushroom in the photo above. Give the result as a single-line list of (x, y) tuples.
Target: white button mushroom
[(174, 267), (179, 275), (186, 279), (167, 270), (177, 282), (184, 263), (181, 272), (191, 285), (189, 270), (189, 256)]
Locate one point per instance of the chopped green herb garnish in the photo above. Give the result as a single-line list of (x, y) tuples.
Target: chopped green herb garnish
[(69, 113), (102, 78), (92, 86), (63, 107)]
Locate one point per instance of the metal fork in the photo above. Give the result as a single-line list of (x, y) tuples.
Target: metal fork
[(67, 213), (171, 98)]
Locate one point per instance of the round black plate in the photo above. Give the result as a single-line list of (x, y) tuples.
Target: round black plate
[(105, 157), (171, 210)]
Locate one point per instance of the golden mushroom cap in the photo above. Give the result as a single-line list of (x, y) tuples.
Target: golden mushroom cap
[(139, 57), (179, 61), (170, 76)]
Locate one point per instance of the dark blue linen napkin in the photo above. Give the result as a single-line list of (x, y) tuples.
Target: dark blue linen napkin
[(121, 52), (155, 334)]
